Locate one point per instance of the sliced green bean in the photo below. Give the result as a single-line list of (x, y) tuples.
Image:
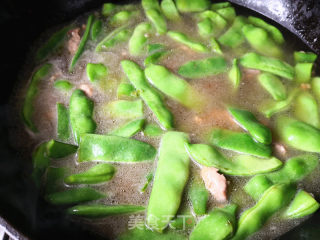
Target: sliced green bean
[(219, 224), (198, 195), (74, 195), (101, 211), (273, 200), (97, 174), (81, 112), (203, 68), (108, 9), (96, 29), (138, 39), (82, 44), (125, 89), (149, 178), (233, 37), (96, 71), (63, 122), (122, 17), (273, 86), (63, 85), (180, 89), (151, 97), (94, 147), (257, 185), (315, 86), (227, 13), (184, 39), (27, 109), (192, 6), (170, 178), (250, 123), (218, 22), (271, 107), (215, 47), (125, 109), (241, 165), (239, 142), (117, 36), (298, 134), (303, 72), (220, 5), (169, 10), (259, 40), (306, 109), (52, 44), (304, 57), (271, 65), (153, 12), (155, 57), (152, 130), (129, 129), (205, 27), (302, 205), (235, 74), (57, 149), (273, 31)]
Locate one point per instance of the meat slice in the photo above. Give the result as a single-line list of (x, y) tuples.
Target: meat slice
[(215, 183), (87, 89), (74, 40)]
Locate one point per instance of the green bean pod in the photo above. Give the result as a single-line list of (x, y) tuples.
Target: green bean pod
[(152, 130), (129, 129), (302, 205), (220, 5), (273, 200), (227, 13), (250, 123), (94, 147), (53, 43), (57, 149), (74, 195), (298, 134), (186, 6), (125, 109), (273, 86), (203, 68), (198, 195), (82, 44), (122, 17), (27, 109), (170, 179), (304, 57), (108, 9), (303, 72), (306, 109), (96, 71), (154, 58), (257, 185), (239, 142), (97, 174), (179, 90), (138, 39), (205, 27), (219, 224), (241, 165), (233, 37), (125, 89), (272, 30), (117, 36), (96, 29), (63, 85), (153, 12), (235, 74), (184, 220), (63, 122), (81, 111), (40, 162), (215, 47), (149, 178), (271, 65), (184, 39), (315, 86), (151, 97), (218, 22), (101, 211), (169, 9), (259, 40)]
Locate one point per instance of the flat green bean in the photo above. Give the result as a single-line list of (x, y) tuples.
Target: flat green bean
[(233, 37), (108, 9), (96, 29), (96, 71), (250, 123), (205, 27), (80, 112), (63, 122), (184, 39), (149, 178), (152, 130), (138, 39), (129, 129), (150, 96), (235, 74), (203, 68), (215, 47), (94, 147), (267, 64), (101, 211), (219, 224), (303, 72), (239, 142), (257, 185), (27, 109), (122, 17), (273, 85), (63, 85), (40, 162), (170, 179), (125, 109), (97, 174), (227, 13), (125, 89), (304, 57), (306, 109), (192, 6), (198, 195), (153, 12), (298, 134), (82, 44), (169, 10), (57, 149), (315, 86), (241, 165), (218, 22), (220, 5), (117, 36), (180, 89)]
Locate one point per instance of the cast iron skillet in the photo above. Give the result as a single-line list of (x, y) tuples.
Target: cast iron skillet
[(21, 24)]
